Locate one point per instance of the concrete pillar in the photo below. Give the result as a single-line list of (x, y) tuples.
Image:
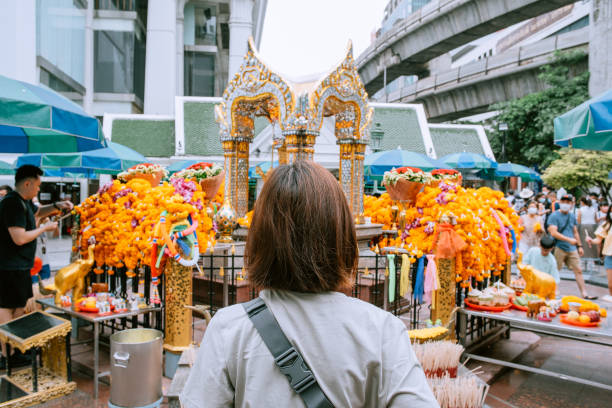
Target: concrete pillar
[(180, 47), (18, 40), (88, 63), (600, 53), (241, 27), (160, 69)]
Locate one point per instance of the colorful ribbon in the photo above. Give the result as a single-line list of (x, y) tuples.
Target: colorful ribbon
[(419, 287), (405, 285), (431, 281), (391, 265), (502, 231)]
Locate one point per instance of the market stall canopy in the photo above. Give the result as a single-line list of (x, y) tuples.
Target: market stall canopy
[(110, 160), (516, 170), (265, 167), (376, 164), (588, 125), (34, 119), (6, 168), (468, 161)]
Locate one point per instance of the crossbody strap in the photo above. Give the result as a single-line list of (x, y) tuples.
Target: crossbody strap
[(287, 358)]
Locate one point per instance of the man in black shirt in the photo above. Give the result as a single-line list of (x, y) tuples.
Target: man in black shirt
[(18, 235)]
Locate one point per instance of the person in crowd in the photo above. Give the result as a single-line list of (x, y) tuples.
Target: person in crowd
[(594, 197), (600, 217), (520, 205), (510, 197), (541, 257), (554, 203), (603, 237), (4, 190), (18, 233), (585, 217), (533, 228), (540, 200), (568, 247), (301, 251)]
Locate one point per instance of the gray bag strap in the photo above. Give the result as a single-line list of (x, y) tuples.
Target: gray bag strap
[(287, 358)]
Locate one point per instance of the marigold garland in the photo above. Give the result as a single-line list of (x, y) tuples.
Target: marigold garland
[(484, 255), (121, 217)]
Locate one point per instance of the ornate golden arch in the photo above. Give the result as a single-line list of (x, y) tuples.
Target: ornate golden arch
[(254, 91), (257, 91)]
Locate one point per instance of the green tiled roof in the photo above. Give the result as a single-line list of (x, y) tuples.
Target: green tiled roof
[(201, 130), (455, 140), (148, 137), (401, 127)]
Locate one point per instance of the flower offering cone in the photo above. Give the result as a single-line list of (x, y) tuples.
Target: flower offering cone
[(211, 185)]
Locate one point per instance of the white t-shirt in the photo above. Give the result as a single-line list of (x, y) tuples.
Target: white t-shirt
[(587, 215), (359, 354)]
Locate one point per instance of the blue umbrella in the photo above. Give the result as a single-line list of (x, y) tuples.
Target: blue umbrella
[(181, 165), (34, 119), (5, 168), (468, 161), (110, 160), (588, 125), (376, 164), (265, 167)]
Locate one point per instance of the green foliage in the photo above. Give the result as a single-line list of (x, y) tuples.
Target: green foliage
[(580, 169), (530, 135)]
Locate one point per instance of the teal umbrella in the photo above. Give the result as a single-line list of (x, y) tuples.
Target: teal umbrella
[(516, 170), (376, 164), (588, 125), (110, 160), (468, 161), (34, 119), (6, 169)]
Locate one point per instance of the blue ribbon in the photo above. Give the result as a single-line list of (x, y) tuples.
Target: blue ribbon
[(513, 235), (419, 285)]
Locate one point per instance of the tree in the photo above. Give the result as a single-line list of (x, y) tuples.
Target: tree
[(530, 134), (580, 169)]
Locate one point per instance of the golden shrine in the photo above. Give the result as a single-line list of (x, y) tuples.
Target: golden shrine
[(298, 109)]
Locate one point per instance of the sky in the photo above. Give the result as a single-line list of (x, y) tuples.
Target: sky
[(305, 37)]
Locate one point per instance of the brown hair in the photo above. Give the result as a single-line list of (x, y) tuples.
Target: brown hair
[(302, 237)]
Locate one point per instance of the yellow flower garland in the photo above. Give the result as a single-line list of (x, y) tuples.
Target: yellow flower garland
[(121, 220), (484, 255)]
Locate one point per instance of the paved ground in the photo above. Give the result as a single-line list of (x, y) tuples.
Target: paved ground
[(509, 388)]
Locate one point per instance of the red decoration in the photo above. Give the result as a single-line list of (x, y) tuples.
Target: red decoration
[(200, 166), (37, 266), (402, 170)]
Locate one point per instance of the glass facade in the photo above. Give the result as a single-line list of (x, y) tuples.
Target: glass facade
[(119, 62), (199, 74), (200, 24), (60, 35)]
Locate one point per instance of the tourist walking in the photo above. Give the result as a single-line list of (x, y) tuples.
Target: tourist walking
[(587, 224), (533, 228), (302, 251), (568, 246)]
